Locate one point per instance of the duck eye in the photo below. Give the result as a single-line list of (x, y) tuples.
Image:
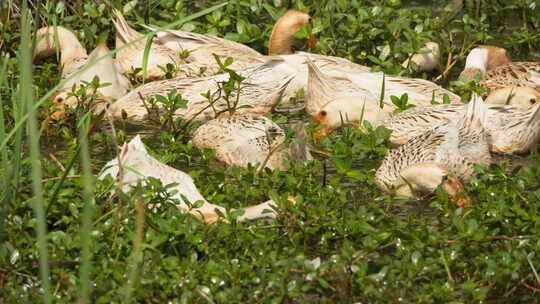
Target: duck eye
[(323, 113), (533, 101), (59, 99)]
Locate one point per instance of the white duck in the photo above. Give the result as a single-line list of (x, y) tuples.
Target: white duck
[(72, 54), (333, 101), (442, 155), (138, 165), (202, 47), (482, 59)]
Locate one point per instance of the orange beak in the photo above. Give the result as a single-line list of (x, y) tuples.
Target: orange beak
[(465, 201), (292, 199), (57, 115), (321, 133)]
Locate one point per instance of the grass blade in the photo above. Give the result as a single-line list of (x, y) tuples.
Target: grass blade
[(88, 198), (26, 97), (146, 53), (5, 197), (381, 100)]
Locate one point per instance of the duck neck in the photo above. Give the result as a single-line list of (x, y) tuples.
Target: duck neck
[(477, 60), (281, 41), (282, 36)]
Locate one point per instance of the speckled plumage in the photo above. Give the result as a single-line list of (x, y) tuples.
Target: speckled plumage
[(497, 70), (446, 150), (244, 139), (515, 74), (511, 129)]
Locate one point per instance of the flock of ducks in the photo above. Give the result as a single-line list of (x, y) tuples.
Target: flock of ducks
[(436, 144)]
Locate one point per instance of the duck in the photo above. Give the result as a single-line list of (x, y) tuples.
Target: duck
[(138, 165), (443, 155), (332, 101), (419, 91), (512, 129), (73, 59), (269, 76), (354, 97), (131, 46), (260, 91), (498, 71), (427, 60), (249, 139)]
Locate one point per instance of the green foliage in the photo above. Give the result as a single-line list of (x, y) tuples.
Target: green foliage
[(342, 241)]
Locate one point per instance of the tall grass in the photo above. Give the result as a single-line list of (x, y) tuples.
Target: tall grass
[(4, 156), (12, 138), (88, 198), (26, 97)]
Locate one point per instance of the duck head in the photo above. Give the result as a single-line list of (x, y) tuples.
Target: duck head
[(60, 100), (282, 36), (64, 99), (346, 110)]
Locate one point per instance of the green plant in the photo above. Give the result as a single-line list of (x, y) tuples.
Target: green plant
[(342, 241)]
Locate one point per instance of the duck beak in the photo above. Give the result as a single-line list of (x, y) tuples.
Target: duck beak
[(321, 133), (57, 115)]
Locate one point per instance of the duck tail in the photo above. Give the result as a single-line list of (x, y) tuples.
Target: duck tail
[(132, 150), (124, 33), (319, 88), (476, 115)]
